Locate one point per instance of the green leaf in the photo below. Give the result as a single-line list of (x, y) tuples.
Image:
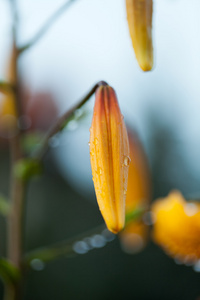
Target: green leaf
[(4, 206), (27, 168), (8, 272)]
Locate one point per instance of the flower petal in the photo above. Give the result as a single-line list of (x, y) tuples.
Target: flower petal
[(139, 16)]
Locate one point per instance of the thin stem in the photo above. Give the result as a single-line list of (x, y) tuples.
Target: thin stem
[(58, 126), (47, 25), (64, 248), (16, 213)]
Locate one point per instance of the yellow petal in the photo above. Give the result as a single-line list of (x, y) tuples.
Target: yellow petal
[(177, 227), (109, 156), (139, 16)]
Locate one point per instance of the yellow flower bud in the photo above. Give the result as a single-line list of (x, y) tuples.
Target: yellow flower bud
[(177, 227), (109, 156), (139, 16)]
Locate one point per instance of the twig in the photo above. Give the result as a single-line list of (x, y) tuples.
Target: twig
[(64, 248), (58, 126), (46, 26)]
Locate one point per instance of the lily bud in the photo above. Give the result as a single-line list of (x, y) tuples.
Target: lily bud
[(109, 156), (139, 16)]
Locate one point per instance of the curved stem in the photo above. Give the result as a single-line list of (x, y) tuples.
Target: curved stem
[(46, 26), (61, 122)]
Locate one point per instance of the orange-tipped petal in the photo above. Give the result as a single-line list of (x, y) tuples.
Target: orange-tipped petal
[(109, 156), (139, 16)]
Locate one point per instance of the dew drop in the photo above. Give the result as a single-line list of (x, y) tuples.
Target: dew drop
[(88, 143), (97, 241), (99, 171), (125, 192), (78, 113), (72, 125), (109, 236), (37, 264), (95, 141), (81, 247), (92, 152), (127, 161)]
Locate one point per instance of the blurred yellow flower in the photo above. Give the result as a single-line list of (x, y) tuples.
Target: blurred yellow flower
[(133, 237), (177, 227), (139, 16), (109, 156)]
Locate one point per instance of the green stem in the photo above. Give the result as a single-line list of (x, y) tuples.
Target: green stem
[(61, 122), (64, 248), (47, 25)]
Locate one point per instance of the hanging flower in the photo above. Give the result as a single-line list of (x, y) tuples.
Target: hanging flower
[(139, 16), (109, 156), (177, 227), (133, 237)]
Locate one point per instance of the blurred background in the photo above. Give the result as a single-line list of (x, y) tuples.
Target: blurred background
[(90, 42)]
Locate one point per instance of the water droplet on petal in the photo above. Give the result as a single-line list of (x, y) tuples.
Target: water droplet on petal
[(88, 143), (37, 264), (95, 141), (125, 192), (127, 161), (99, 171), (92, 152)]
